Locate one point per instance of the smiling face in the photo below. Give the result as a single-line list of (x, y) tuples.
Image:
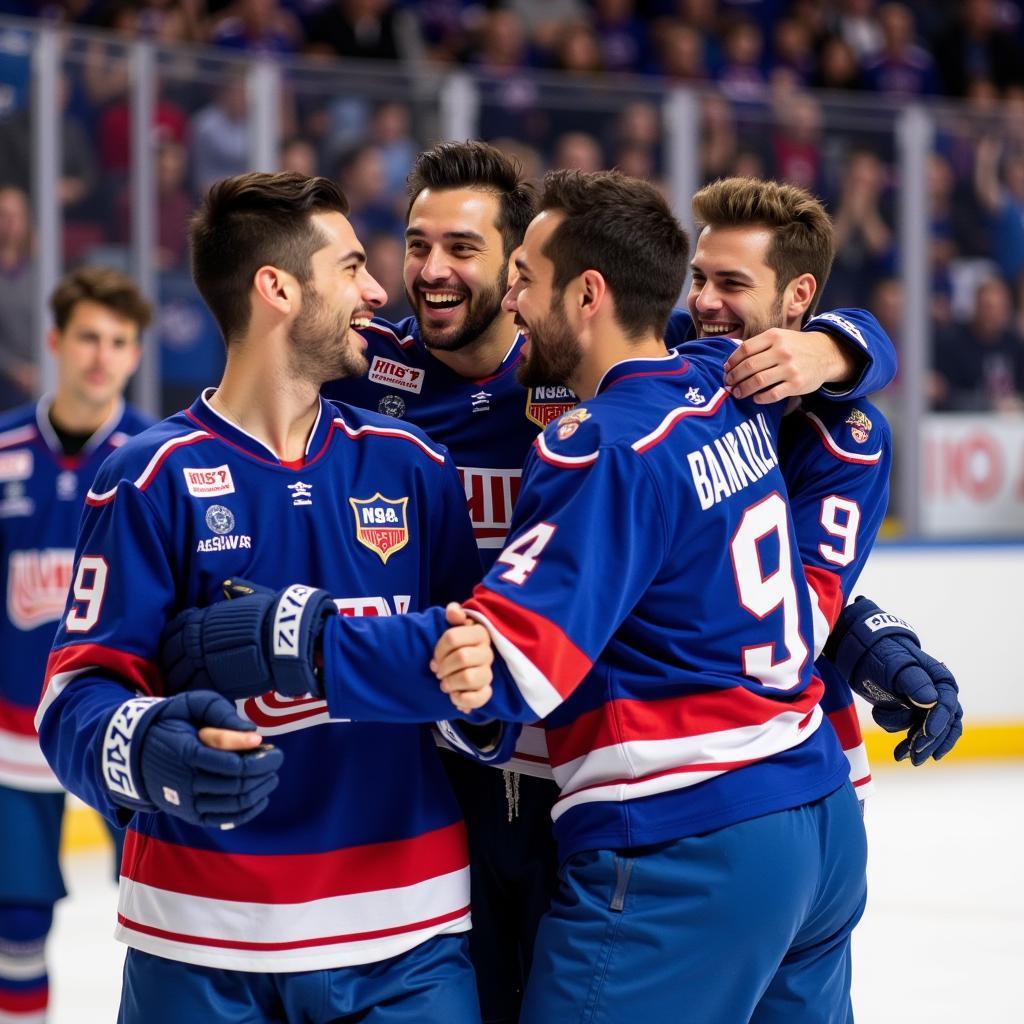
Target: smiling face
[(733, 290), (337, 302), (456, 271), (551, 352)]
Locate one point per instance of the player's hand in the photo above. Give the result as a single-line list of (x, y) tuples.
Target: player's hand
[(258, 640), (182, 775), (779, 363), (908, 689), (462, 661)]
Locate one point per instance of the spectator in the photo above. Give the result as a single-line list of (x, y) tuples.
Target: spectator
[(18, 373), (791, 48), (390, 131), (220, 134), (863, 236), (258, 26), (796, 142), (636, 135), (622, 36), (542, 20), (356, 28), (174, 208), (718, 142), (857, 25), (679, 52), (741, 75), (901, 68), (577, 151), (578, 50), (298, 156), (975, 46), (1003, 200), (385, 260), (980, 364), (837, 66), (374, 209)]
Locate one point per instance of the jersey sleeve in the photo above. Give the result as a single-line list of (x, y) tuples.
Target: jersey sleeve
[(867, 338), (455, 558), (590, 519), (104, 659)]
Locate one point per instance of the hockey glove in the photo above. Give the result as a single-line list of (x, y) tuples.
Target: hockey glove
[(881, 657), (244, 647), (172, 770)]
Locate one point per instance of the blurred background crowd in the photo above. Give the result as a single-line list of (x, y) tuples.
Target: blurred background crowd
[(805, 91)]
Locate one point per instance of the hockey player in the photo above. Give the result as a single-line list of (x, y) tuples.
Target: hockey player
[(49, 453), (251, 888), (451, 370), (651, 608)]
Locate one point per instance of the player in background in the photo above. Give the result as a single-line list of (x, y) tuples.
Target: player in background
[(756, 238), (653, 612), (250, 889), (49, 454), (451, 370)]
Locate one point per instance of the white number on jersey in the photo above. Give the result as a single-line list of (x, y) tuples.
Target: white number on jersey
[(522, 553), (845, 530), (88, 588), (761, 595)]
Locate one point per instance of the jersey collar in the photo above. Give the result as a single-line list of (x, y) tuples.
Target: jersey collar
[(671, 364), (206, 416), (49, 435)]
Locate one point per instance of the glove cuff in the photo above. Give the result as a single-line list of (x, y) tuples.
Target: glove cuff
[(296, 624), (121, 750), (859, 627)]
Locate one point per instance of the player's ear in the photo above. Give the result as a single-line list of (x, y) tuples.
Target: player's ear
[(276, 288), (800, 295), (592, 290)]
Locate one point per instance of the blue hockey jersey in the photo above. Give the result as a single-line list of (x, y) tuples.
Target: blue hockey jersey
[(490, 424), (361, 854), (42, 492), (650, 607)]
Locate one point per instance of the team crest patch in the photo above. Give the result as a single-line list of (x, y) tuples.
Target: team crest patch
[(545, 404), (381, 524), (860, 426), (396, 375), (220, 519), (570, 422)]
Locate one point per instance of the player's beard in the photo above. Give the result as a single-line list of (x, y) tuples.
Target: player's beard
[(555, 352), (761, 324), (482, 310), (321, 349)]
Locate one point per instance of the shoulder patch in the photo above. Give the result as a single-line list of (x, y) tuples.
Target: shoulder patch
[(570, 422), (860, 426)]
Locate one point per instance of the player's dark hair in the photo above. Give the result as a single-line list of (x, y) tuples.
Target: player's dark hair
[(104, 286), (802, 238), (623, 228), (255, 220), (477, 165)]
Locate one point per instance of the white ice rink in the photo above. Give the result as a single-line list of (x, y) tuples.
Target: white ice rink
[(942, 941)]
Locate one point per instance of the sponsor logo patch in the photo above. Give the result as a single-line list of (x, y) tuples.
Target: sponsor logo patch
[(381, 524), (301, 493), (396, 375), (15, 465), (884, 620), (209, 482), (545, 404), (570, 422), (860, 426)]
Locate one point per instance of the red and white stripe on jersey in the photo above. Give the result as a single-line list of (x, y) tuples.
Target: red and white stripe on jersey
[(19, 435), (356, 433), (675, 417), (22, 765), (378, 328), (860, 458), (321, 910), (67, 663), (826, 602), (626, 749), (847, 727), (565, 461), (24, 1006), (545, 664), (146, 477)]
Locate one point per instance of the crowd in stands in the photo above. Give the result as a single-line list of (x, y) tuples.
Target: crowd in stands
[(803, 90)]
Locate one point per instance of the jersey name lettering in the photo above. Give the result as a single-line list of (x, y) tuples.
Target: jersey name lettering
[(735, 460)]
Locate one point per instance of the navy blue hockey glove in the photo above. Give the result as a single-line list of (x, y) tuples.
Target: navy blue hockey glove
[(881, 657), (257, 641), (171, 770)]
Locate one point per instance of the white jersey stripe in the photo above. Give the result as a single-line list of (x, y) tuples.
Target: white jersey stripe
[(154, 463), (19, 435), (838, 450), (358, 432)]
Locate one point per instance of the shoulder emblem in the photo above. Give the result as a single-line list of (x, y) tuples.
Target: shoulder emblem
[(860, 426), (570, 422), (381, 524)]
